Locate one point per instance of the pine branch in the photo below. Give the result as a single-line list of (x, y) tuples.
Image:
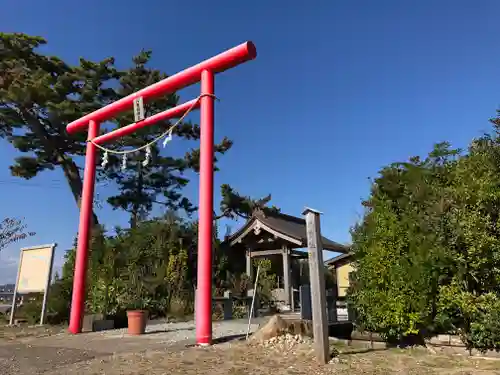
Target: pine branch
[(11, 231)]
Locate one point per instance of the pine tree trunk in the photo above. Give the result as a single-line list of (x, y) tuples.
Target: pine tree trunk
[(69, 167), (75, 183)]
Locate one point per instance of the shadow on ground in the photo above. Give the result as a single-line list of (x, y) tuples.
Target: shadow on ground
[(223, 340), (351, 351), (168, 330)]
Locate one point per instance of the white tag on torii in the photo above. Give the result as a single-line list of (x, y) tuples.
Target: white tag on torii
[(145, 162), (105, 159), (139, 109), (168, 138), (124, 162)]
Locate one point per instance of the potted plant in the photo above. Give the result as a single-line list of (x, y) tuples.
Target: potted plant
[(137, 319), (135, 298)]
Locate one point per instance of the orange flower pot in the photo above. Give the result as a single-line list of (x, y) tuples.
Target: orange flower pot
[(136, 322)]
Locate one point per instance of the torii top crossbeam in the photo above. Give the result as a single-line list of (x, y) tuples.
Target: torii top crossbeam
[(217, 64)]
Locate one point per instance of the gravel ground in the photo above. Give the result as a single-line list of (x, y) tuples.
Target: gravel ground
[(45, 351), (167, 349), (172, 332), (241, 358)]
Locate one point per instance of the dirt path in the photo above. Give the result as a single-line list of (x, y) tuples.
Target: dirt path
[(169, 350), (242, 359)]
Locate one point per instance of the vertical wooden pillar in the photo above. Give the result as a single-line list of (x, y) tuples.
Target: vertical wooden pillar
[(286, 275), (293, 277), (249, 265), (318, 291)]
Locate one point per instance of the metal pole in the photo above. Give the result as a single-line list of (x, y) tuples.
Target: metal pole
[(84, 232), (13, 307), (318, 290), (253, 301), (47, 285), (14, 297), (205, 224)]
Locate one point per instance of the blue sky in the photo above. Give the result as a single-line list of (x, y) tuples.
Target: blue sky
[(339, 89)]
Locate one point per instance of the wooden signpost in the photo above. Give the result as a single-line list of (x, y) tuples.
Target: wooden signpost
[(318, 290)]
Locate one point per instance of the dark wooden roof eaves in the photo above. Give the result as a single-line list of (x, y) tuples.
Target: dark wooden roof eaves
[(296, 227), (291, 226)]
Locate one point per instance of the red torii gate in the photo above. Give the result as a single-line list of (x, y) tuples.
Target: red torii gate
[(204, 72)]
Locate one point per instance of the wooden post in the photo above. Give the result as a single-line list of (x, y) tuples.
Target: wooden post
[(228, 305), (249, 264), (317, 280), (286, 275)]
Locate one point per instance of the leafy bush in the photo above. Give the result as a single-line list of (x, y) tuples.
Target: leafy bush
[(267, 281), (484, 331), (180, 307), (399, 259), (476, 318), (152, 267), (31, 311), (240, 309), (427, 252)]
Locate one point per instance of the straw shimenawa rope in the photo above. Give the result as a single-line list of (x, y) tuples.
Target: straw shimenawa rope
[(167, 133)]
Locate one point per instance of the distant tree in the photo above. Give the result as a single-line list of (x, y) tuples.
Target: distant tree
[(11, 231)]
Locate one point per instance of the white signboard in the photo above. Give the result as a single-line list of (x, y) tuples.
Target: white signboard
[(34, 274), (34, 269)]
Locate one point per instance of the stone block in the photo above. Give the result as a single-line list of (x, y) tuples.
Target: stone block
[(88, 321)]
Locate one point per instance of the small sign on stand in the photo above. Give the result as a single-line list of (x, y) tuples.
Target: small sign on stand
[(34, 275)]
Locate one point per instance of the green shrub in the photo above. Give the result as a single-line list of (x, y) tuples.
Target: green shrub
[(181, 307), (240, 309), (476, 318), (31, 311), (484, 332), (427, 251), (267, 281), (59, 301)]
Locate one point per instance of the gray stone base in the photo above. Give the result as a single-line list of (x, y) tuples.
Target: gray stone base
[(96, 322), (103, 325)]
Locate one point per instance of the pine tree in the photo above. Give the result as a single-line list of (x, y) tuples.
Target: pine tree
[(233, 205), (41, 94)]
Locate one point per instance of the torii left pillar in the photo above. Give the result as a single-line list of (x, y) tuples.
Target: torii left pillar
[(203, 308), (84, 228)]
